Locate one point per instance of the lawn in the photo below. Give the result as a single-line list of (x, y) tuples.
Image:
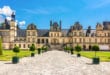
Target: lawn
[(103, 55), (8, 54)]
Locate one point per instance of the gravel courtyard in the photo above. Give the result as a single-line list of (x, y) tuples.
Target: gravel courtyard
[(54, 63)]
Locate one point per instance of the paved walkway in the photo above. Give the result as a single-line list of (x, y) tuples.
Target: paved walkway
[(54, 63)]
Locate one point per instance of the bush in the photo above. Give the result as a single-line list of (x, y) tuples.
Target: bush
[(16, 50), (32, 48), (78, 48), (95, 48)]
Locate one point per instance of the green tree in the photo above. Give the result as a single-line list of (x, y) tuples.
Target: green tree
[(1, 50), (16, 50), (78, 48), (95, 48), (32, 48)]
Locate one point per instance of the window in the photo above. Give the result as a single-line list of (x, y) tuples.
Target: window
[(33, 39), (74, 33), (20, 45), (83, 40), (24, 46), (28, 39), (95, 40), (46, 40), (51, 35), (80, 40), (80, 33), (33, 33), (89, 40), (28, 33), (28, 45), (75, 40), (42, 40), (105, 34), (108, 40), (38, 41), (58, 34)]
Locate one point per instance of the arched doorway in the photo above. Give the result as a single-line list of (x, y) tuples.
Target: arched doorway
[(55, 42), (90, 47), (84, 47)]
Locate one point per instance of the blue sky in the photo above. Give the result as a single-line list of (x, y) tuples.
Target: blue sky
[(40, 12)]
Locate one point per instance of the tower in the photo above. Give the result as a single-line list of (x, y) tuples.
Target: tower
[(13, 16)]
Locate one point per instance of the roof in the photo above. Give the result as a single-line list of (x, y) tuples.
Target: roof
[(21, 32), (65, 32), (43, 32)]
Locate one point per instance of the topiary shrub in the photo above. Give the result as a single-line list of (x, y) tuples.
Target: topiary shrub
[(78, 49), (32, 49), (96, 60), (15, 59)]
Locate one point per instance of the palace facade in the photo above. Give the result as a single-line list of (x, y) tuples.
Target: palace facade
[(12, 35)]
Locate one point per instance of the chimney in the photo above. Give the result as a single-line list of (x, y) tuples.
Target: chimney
[(60, 24)]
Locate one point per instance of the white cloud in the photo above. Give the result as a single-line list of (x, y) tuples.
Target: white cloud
[(22, 23), (1, 19), (6, 10), (8, 18)]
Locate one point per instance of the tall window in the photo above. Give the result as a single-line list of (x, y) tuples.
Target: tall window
[(95, 40), (33, 33), (28, 39), (80, 40), (28, 33), (20, 45), (80, 33), (58, 34), (74, 33), (38, 41), (46, 40), (24, 46), (51, 35), (83, 40), (42, 40)]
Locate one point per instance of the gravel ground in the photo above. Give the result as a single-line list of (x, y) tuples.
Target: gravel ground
[(54, 63)]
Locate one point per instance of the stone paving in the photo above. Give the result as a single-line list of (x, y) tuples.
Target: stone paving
[(54, 63)]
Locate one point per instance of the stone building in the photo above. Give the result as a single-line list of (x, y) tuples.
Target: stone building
[(54, 37)]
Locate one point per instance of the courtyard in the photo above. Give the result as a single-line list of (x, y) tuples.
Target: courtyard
[(54, 63)]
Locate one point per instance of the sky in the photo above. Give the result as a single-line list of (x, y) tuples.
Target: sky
[(40, 12)]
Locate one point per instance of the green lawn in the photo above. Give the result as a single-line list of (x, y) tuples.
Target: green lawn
[(8, 54), (103, 55)]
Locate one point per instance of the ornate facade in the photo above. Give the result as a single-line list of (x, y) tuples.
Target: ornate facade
[(13, 36)]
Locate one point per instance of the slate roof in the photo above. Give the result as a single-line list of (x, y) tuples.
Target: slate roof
[(21, 32), (43, 32), (65, 32)]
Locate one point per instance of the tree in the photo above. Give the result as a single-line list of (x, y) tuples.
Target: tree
[(1, 50), (16, 50), (78, 49), (32, 48), (95, 48)]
